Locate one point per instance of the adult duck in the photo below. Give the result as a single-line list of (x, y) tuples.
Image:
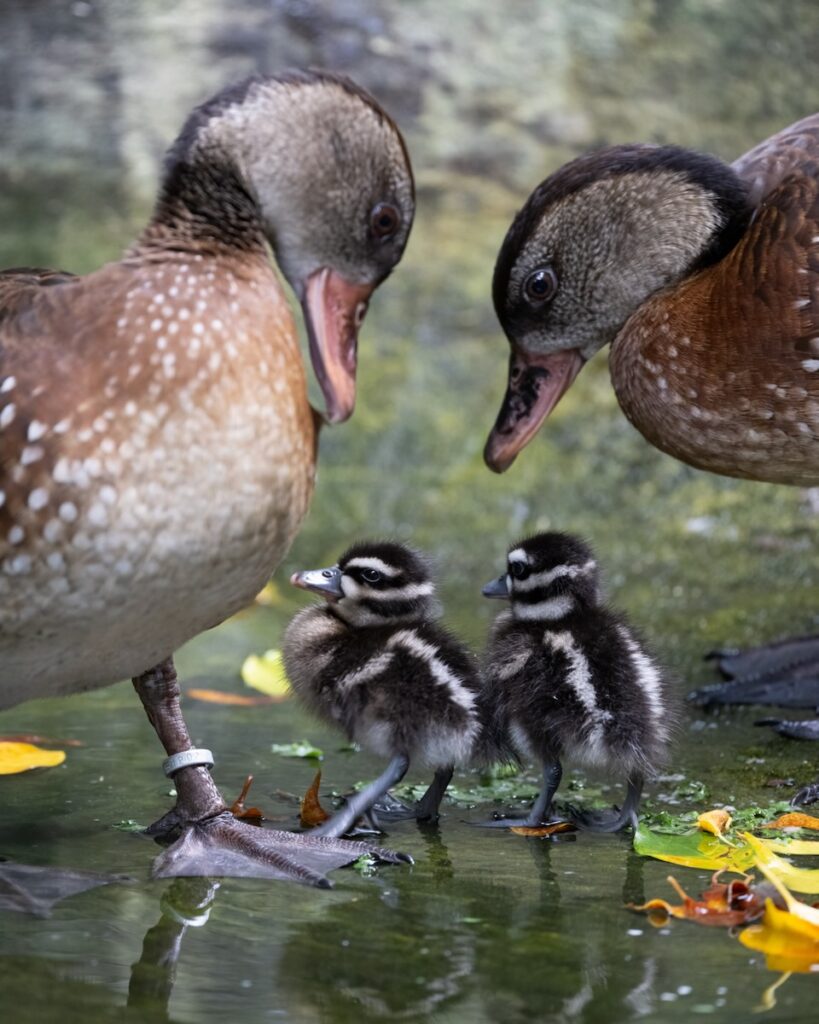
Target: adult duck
[(157, 448), (704, 278)]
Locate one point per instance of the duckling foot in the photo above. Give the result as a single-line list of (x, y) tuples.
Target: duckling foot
[(426, 809), (224, 846), (785, 674), (806, 795)]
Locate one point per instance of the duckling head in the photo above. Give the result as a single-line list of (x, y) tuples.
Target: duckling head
[(591, 244), (547, 577), (375, 583), (324, 171)]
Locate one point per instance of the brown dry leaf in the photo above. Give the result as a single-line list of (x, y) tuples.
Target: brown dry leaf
[(225, 697), (44, 741), (720, 906), (252, 815), (716, 822), (312, 813), (22, 757), (794, 819), (543, 830)]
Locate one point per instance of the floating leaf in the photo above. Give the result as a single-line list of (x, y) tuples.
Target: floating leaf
[(553, 828), (794, 847), (252, 815), (21, 757), (312, 813), (128, 825), (695, 850), (789, 938), (794, 819), (266, 673), (303, 749), (800, 879), (721, 905), (45, 741), (717, 822), (225, 697)]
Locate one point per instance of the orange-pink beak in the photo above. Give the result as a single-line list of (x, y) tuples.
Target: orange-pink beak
[(333, 311), (537, 382)]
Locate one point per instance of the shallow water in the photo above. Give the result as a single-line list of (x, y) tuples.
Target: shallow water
[(484, 927)]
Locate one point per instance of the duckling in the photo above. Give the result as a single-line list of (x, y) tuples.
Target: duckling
[(704, 277), (157, 448), (374, 662), (567, 677)]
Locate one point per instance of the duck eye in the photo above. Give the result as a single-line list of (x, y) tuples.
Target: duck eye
[(519, 570), (540, 285), (384, 221), (371, 575)]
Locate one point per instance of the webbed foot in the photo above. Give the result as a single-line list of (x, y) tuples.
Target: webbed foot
[(794, 729), (221, 845), (806, 795), (785, 674)]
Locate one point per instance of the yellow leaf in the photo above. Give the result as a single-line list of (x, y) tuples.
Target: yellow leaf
[(266, 673), (269, 596), (716, 822), (551, 829), (20, 757), (794, 847), (782, 875), (794, 819)]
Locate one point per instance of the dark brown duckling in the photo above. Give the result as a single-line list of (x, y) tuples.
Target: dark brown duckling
[(564, 676), (157, 449), (375, 662)]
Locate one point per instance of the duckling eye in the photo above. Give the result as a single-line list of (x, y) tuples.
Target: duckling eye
[(519, 570), (384, 220), (540, 285), (371, 575)]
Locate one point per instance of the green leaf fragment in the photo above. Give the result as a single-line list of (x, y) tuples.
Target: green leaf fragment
[(302, 749)]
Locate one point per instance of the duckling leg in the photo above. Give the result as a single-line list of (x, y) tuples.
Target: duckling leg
[(359, 803), (212, 841), (608, 821), (541, 812), (424, 809)]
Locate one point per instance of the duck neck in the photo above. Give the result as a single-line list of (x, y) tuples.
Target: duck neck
[(204, 205), (550, 609)]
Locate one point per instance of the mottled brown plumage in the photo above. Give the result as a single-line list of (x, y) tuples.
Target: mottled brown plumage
[(704, 278), (157, 449)]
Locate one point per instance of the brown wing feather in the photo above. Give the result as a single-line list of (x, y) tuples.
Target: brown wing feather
[(19, 284), (742, 396)]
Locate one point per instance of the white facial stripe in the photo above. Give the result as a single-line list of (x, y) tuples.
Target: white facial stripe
[(549, 610), (543, 579), (648, 679), (369, 670), (371, 563), (579, 678), (518, 555), (441, 673), (354, 589)]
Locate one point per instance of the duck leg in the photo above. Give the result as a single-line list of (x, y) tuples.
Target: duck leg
[(362, 802), (541, 812), (212, 841), (617, 820), (424, 809)]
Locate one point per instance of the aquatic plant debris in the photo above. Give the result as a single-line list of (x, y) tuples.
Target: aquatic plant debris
[(721, 905), (789, 938), (311, 813), (266, 673), (227, 698), (252, 815), (794, 819), (302, 749), (22, 757)]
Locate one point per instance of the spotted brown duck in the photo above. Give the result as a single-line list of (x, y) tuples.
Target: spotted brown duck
[(157, 448), (704, 278)]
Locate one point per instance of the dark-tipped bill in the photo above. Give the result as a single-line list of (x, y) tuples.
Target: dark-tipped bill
[(333, 311), (497, 588), (537, 382), (326, 582)]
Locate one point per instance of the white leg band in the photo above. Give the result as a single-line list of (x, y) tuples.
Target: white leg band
[(187, 759)]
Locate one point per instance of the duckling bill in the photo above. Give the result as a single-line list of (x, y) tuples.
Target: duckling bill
[(564, 676), (373, 661)]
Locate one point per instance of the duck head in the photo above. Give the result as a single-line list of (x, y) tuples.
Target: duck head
[(547, 577), (592, 242), (324, 171), (375, 583)]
